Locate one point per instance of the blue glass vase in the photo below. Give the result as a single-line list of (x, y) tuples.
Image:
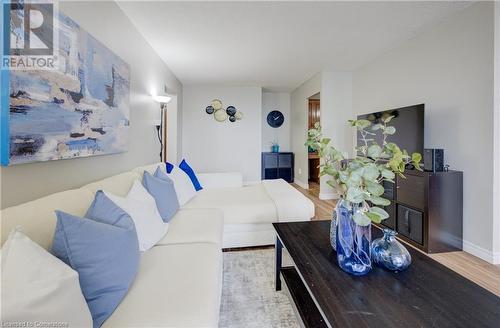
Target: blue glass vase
[(389, 253), (353, 240)]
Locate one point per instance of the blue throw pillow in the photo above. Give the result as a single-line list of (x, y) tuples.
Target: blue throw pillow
[(162, 189), (169, 167), (103, 249), (190, 172)]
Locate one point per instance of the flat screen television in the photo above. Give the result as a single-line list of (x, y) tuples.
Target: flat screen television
[(409, 124)]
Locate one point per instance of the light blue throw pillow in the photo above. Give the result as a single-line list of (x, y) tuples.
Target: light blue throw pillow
[(103, 249), (161, 187)]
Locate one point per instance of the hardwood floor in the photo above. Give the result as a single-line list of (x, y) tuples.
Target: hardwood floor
[(481, 272), (324, 208)]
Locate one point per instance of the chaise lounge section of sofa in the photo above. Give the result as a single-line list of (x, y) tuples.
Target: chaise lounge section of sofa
[(249, 211)]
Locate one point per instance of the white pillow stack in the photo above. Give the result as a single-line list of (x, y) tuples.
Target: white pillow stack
[(182, 184), (141, 206), (39, 288)]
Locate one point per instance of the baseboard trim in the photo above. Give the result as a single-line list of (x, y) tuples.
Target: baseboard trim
[(251, 183), (247, 248), (328, 195), (484, 254), (496, 258), (301, 184)]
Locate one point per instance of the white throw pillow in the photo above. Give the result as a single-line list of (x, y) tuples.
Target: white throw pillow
[(182, 184), (39, 288), (141, 207)]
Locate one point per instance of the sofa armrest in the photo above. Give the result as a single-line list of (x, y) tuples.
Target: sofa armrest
[(220, 180)]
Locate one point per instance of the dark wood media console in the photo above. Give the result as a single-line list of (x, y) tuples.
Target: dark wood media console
[(427, 210)]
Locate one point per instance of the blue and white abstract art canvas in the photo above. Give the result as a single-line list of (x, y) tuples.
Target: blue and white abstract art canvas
[(81, 109)]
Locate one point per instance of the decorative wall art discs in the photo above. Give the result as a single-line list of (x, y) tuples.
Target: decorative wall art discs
[(216, 104), (222, 114)]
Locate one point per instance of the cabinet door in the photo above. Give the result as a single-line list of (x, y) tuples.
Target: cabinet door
[(270, 161), (270, 174), (285, 166), (410, 223), (269, 166), (285, 174), (390, 222), (388, 190), (411, 191), (285, 160)]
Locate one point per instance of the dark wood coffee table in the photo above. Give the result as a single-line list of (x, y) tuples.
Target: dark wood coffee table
[(427, 294)]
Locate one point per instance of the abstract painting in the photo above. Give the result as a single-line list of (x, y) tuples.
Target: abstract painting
[(80, 109)]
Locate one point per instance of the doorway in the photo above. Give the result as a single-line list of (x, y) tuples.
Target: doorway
[(314, 115)]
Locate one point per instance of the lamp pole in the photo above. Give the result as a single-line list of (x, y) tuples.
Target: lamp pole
[(160, 130)]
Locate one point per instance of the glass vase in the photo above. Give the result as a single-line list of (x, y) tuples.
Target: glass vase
[(389, 253), (353, 240)]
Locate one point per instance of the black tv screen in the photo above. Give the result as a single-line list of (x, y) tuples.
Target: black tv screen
[(409, 124)]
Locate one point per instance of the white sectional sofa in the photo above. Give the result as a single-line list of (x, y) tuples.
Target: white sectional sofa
[(179, 282), (249, 211)]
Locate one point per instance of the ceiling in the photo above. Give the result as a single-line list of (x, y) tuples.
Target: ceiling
[(276, 45)]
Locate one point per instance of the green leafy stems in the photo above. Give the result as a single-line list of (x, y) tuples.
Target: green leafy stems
[(360, 180)]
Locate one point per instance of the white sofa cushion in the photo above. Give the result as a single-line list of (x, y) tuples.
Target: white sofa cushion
[(250, 204), (38, 287), (207, 180), (176, 286), (37, 218), (149, 168), (290, 203), (195, 226), (220, 180), (118, 184), (141, 207), (248, 235)]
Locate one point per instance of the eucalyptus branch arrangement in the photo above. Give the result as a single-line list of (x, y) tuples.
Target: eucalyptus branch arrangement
[(360, 180)]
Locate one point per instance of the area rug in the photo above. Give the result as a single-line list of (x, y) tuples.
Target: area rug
[(249, 298)]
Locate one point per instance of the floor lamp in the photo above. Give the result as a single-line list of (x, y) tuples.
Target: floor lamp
[(162, 128)]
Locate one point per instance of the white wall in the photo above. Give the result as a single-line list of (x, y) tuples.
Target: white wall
[(336, 110), (450, 69), (276, 101), (211, 146), (300, 108), (496, 181), (173, 131), (21, 183)]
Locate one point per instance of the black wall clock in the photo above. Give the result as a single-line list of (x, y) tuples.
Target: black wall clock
[(275, 118)]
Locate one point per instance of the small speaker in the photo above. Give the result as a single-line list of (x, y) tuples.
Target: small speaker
[(434, 160)]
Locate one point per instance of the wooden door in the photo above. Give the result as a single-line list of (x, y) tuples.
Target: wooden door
[(314, 112)]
